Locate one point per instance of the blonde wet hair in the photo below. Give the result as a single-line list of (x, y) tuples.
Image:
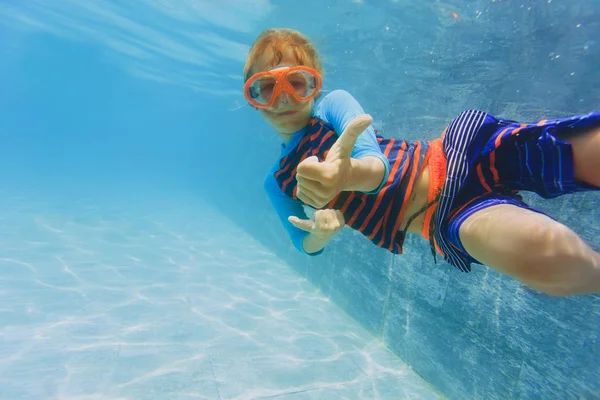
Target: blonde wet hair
[(277, 40)]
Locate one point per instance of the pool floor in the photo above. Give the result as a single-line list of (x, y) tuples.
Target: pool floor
[(106, 298)]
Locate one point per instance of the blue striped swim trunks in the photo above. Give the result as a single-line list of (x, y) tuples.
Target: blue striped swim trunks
[(517, 157)]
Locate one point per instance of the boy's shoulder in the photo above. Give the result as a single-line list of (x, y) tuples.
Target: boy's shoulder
[(336, 94), (332, 101)]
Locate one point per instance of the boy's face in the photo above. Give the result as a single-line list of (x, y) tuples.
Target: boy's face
[(286, 116)]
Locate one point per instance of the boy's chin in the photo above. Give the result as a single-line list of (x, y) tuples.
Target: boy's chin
[(289, 127), (290, 123)]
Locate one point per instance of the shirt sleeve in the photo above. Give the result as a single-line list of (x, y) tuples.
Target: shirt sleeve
[(285, 207), (339, 108)]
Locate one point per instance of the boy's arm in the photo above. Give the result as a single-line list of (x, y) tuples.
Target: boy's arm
[(285, 207), (369, 166), (314, 245)]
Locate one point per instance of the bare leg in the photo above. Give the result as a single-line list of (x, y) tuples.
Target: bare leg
[(586, 152), (532, 248)]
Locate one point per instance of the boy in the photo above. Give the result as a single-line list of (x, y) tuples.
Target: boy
[(459, 191)]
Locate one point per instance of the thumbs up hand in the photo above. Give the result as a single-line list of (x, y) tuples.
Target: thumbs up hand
[(320, 181)]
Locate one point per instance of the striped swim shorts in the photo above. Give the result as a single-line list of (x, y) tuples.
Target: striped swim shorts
[(518, 157)]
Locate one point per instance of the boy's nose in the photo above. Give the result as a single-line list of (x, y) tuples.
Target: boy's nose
[(283, 98)]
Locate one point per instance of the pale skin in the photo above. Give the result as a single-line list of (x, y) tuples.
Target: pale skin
[(538, 251), (528, 246)]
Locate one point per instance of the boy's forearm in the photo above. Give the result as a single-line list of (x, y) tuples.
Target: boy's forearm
[(312, 243), (365, 174)]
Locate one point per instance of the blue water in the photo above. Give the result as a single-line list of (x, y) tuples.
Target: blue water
[(130, 299), (140, 259)]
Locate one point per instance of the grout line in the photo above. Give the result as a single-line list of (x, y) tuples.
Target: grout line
[(212, 370)]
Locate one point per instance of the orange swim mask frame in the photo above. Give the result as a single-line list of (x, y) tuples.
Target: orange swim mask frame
[(282, 84)]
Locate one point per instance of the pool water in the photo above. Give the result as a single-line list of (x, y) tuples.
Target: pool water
[(167, 299)]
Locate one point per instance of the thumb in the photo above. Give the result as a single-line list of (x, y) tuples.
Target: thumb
[(304, 224), (342, 148), (307, 164)]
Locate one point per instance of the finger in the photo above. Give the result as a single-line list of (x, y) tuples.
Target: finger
[(306, 198), (308, 161), (310, 168), (345, 143), (304, 224), (308, 192), (333, 219), (334, 222), (340, 217), (312, 185), (318, 197), (327, 222), (322, 217)]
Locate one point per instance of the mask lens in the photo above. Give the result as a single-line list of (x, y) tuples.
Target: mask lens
[(303, 83), (261, 89)]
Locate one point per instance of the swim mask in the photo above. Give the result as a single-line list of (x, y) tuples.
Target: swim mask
[(301, 82)]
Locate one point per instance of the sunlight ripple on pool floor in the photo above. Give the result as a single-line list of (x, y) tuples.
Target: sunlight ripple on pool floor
[(170, 301)]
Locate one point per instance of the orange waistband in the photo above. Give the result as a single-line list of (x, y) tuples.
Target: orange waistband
[(437, 177)]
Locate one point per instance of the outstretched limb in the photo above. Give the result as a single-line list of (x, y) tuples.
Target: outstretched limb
[(533, 248), (586, 154)]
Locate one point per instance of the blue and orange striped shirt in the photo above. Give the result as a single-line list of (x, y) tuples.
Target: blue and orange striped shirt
[(377, 214)]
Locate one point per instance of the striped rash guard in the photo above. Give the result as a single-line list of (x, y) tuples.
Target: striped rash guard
[(378, 214)]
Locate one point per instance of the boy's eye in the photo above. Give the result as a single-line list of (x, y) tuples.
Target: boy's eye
[(299, 87), (302, 82), (267, 87)]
